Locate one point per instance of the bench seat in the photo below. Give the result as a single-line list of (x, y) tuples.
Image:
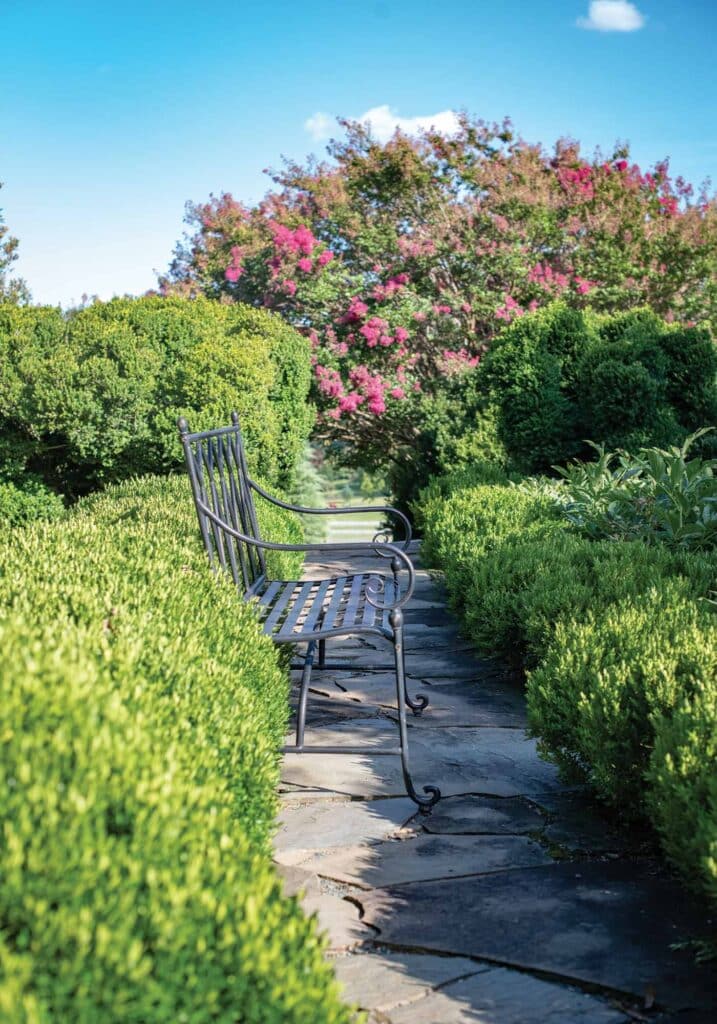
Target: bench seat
[(291, 609)]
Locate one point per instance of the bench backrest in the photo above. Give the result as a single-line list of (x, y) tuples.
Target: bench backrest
[(217, 468)]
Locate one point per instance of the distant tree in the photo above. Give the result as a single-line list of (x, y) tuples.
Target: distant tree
[(402, 260), (12, 289)]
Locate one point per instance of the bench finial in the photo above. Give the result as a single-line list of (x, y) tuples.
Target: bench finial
[(235, 417), (183, 425)]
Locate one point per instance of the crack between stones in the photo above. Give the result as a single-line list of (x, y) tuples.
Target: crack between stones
[(588, 987)]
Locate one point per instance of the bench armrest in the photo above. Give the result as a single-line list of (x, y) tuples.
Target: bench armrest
[(347, 510), (391, 551)]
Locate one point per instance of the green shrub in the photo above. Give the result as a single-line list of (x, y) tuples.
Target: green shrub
[(27, 501), (142, 713), (95, 399), (682, 782), (621, 639), (609, 672), (559, 376)]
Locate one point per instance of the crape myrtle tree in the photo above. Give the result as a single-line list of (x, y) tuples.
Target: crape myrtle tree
[(11, 289), (401, 260)]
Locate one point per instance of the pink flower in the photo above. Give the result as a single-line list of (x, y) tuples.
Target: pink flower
[(357, 309), (233, 273), (325, 257), (401, 334), (621, 165), (466, 307), (419, 317), (397, 393), (350, 402), (289, 286), (305, 264)]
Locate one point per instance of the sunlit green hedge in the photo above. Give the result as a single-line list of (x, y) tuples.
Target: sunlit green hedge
[(620, 643), (93, 398), (142, 713)]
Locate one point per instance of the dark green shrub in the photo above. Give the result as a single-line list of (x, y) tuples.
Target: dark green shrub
[(24, 502), (95, 399), (142, 712), (559, 377)]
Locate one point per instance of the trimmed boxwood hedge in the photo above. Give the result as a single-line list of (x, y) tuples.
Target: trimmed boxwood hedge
[(142, 713), (620, 644), (93, 398)]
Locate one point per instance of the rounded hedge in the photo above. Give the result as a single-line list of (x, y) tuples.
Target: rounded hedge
[(94, 398), (142, 714), (559, 377)]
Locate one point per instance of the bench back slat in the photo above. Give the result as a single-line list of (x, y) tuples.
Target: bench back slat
[(216, 462)]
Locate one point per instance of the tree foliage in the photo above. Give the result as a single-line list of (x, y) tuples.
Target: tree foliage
[(403, 260), (11, 289)]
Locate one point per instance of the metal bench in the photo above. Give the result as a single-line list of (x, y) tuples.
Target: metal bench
[(304, 613)]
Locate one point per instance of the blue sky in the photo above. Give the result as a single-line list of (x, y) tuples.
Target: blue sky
[(113, 116)]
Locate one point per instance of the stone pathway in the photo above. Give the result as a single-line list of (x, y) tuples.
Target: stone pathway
[(517, 901)]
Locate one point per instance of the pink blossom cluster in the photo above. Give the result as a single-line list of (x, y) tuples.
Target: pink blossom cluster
[(235, 268), (441, 309), (300, 240), (583, 285), (394, 284), (509, 310), (455, 362), (414, 248), (577, 180), (356, 311), (548, 279), (329, 380)]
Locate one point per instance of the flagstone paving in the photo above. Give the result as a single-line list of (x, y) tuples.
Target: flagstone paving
[(518, 900)]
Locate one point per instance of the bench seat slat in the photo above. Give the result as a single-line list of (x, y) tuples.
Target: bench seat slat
[(276, 611), (335, 602), (317, 606), (300, 599)]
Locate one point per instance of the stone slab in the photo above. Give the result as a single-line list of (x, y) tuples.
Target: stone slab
[(380, 981), (421, 858), (468, 703), (613, 925), (297, 880), (484, 815), (339, 919), (492, 761), (499, 996), (325, 824)]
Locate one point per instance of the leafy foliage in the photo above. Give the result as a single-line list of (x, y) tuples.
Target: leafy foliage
[(402, 261), (94, 398), (11, 289), (559, 376), (619, 640), (142, 712), (658, 496)]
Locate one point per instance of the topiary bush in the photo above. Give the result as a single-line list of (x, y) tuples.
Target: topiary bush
[(95, 398), (142, 713), (560, 376), (619, 640)]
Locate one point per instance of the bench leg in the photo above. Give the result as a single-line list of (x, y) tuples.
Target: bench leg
[(304, 692), (425, 803)]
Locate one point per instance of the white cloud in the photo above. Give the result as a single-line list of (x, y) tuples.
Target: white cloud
[(612, 16), (383, 121), (319, 125)]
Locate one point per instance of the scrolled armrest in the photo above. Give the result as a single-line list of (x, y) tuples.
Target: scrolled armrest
[(346, 510), (391, 551)]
